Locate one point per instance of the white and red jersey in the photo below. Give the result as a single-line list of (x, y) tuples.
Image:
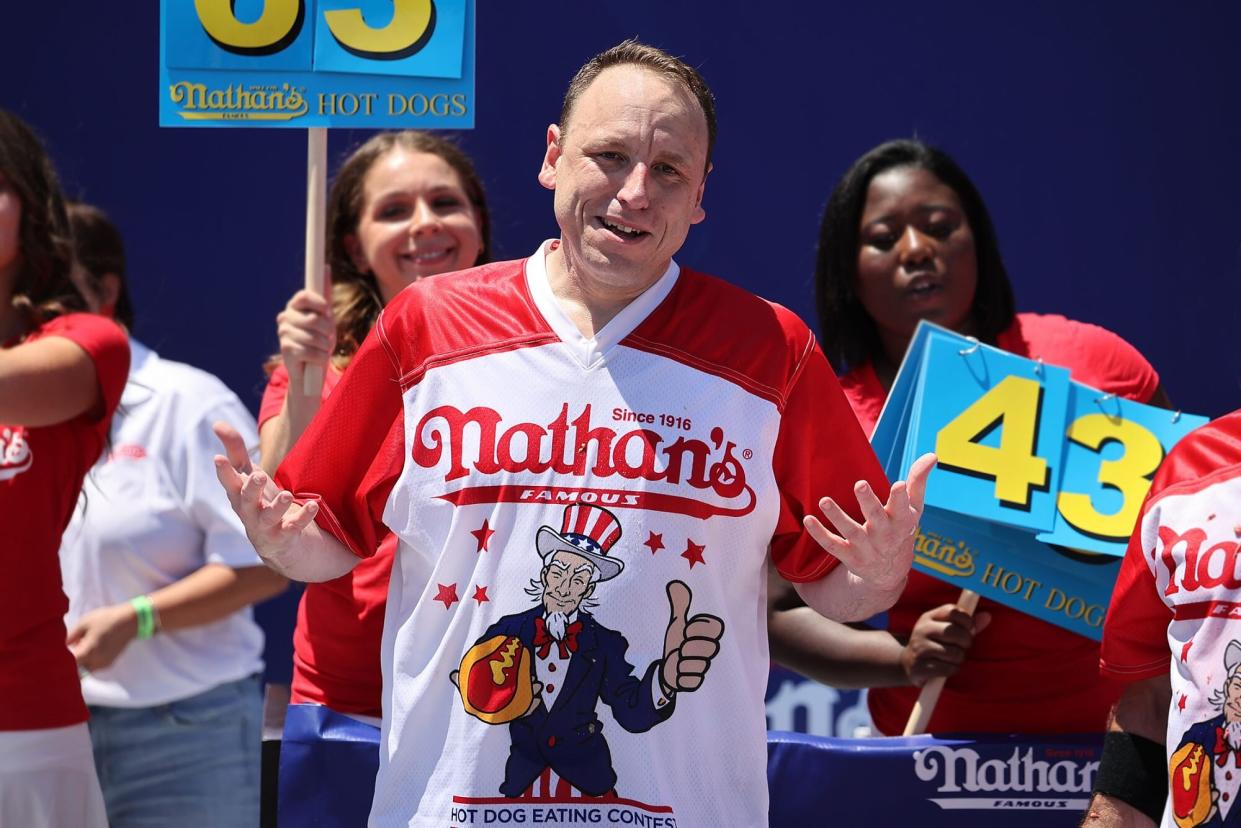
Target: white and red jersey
[(1177, 608), (704, 420)]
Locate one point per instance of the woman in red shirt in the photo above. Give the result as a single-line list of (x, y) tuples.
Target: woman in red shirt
[(404, 206), (905, 237), (61, 376)]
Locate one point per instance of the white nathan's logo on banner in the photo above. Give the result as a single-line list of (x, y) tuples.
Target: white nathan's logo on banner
[(1038, 781), (15, 454)]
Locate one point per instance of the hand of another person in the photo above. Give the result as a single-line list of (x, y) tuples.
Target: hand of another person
[(307, 331), (879, 551), (939, 642), (273, 522), (99, 636), (690, 642)]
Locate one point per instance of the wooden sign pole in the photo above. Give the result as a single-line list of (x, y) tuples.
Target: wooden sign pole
[(316, 198)]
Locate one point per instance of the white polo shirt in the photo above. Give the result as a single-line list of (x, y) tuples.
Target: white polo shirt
[(152, 512)]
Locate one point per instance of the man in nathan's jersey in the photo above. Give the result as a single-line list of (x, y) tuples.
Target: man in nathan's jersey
[(597, 371), (1172, 756)]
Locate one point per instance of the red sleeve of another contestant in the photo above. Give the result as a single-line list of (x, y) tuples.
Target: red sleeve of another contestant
[(107, 346), (820, 452), (1135, 642), (353, 450)]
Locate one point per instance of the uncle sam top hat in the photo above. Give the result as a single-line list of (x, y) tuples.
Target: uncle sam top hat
[(587, 530)]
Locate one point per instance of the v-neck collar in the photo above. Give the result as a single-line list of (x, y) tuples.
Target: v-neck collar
[(591, 352)]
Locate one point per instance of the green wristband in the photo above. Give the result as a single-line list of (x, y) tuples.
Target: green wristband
[(146, 615)]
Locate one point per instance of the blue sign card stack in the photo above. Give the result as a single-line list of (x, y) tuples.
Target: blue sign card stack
[(1040, 478), (317, 63)]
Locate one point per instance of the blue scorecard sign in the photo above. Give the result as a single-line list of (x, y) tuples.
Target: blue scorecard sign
[(1040, 478), (317, 63)]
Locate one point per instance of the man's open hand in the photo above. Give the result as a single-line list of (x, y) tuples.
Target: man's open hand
[(273, 522), (879, 551)]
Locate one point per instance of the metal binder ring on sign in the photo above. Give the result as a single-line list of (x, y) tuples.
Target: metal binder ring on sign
[(1176, 416), (974, 343), (1038, 367), (1105, 398)]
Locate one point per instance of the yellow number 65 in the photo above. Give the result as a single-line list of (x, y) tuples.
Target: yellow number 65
[(280, 22)]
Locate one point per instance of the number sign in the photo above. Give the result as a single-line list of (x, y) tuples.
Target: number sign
[(1040, 479), (303, 63)]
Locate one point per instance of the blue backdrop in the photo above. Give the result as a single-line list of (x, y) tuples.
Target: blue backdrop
[(1103, 136)]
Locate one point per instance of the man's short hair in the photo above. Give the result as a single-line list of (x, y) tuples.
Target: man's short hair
[(633, 53)]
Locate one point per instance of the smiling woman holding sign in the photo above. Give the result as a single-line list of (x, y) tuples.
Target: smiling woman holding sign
[(906, 237), (404, 206)]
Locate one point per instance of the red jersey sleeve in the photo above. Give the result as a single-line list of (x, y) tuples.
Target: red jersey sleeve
[(820, 451), (107, 346), (1134, 642), (353, 451)]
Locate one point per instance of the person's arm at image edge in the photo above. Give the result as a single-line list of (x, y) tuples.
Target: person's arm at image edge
[(1142, 711)]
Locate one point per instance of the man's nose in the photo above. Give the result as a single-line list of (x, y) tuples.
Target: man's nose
[(634, 193)]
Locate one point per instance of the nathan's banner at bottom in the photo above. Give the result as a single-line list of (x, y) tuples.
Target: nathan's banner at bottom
[(931, 781), (1040, 478)]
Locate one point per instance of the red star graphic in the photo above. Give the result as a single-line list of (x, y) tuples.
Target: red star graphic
[(483, 535), (655, 542), (693, 553), (1181, 703), (1185, 650), (480, 594), (447, 594)]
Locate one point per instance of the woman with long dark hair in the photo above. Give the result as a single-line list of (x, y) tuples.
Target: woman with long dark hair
[(61, 376), (905, 237)]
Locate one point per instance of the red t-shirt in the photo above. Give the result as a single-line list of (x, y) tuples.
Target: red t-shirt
[(1022, 674), (340, 622), (41, 472)]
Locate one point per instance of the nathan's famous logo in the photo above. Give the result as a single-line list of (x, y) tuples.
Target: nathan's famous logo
[(964, 770), (478, 441), (1190, 567), (235, 102), (942, 554), (15, 454)]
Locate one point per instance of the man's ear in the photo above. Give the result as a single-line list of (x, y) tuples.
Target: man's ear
[(590, 590), (547, 174), (699, 213)]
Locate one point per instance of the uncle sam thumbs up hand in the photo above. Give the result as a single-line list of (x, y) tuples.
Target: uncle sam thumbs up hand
[(689, 644)]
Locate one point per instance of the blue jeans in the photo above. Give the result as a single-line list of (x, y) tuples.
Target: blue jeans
[(188, 762)]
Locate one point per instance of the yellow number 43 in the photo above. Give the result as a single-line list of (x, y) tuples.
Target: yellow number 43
[(1013, 407)]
